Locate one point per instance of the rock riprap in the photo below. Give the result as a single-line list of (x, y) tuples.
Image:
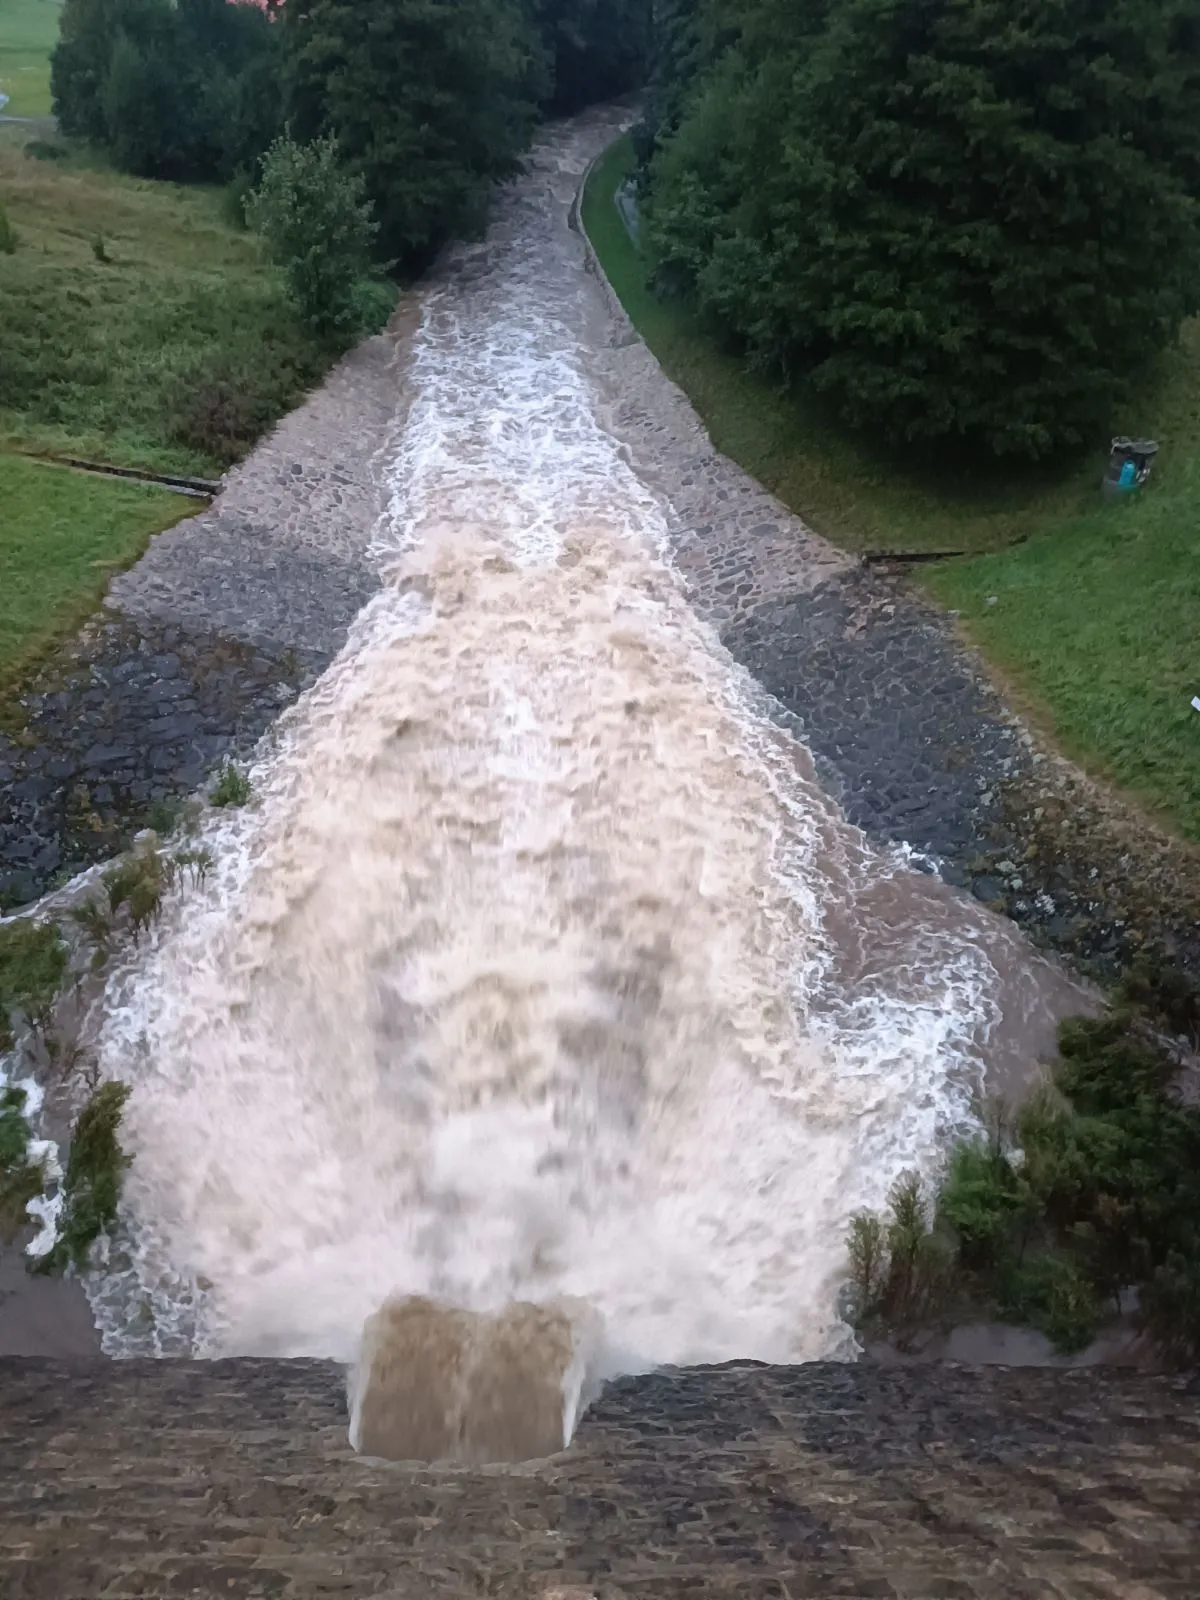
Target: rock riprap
[(219, 625)]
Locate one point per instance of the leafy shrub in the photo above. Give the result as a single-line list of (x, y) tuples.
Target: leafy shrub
[(95, 918), (163, 817), (195, 861), (33, 963), (318, 226), (232, 787), (92, 1183), (899, 1268), (136, 886), (372, 301), (1092, 1193), (20, 1179), (14, 1130), (46, 150)]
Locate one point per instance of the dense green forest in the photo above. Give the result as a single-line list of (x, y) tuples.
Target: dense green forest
[(428, 101), (955, 220)]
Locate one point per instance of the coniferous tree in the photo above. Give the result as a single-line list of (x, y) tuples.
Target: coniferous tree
[(962, 218), (430, 101), (596, 48)]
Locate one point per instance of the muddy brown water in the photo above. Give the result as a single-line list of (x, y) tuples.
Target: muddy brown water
[(541, 972)]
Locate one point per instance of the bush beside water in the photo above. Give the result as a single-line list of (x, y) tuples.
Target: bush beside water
[(1084, 1205), (34, 966)]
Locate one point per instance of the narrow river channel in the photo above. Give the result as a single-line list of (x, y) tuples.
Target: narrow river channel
[(541, 965)]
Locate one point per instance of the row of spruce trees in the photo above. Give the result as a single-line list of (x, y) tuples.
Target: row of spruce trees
[(429, 101), (961, 221)]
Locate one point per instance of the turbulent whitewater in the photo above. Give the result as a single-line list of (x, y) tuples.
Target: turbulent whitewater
[(540, 966)]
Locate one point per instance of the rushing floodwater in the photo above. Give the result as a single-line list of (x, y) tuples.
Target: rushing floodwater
[(541, 968)]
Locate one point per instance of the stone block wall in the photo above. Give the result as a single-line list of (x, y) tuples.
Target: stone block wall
[(235, 1479)]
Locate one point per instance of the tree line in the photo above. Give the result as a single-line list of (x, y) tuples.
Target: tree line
[(426, 102), (962, 222)]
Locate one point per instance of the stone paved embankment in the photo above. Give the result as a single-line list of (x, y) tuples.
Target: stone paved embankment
[(932, 1483), (219, 625), (906, 729)]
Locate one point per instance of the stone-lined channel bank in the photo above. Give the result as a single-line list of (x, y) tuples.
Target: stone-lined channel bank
[(224, 620)]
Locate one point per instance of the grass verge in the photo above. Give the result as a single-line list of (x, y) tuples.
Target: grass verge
[(62, 536), (1097, 606)]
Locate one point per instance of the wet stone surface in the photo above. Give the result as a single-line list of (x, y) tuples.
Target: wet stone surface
[(130, 722), (920, 750), (235, 1478), (904, 734)]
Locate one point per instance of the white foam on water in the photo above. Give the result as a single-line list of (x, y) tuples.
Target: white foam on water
[(517, 981)]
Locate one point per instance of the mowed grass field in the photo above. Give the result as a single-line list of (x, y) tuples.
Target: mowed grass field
[(62, 535), (1090, 610), (28, 33)]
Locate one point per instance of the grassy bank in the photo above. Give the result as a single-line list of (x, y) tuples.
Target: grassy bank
[(1097, 607), (138, 324), (62, 535), (28, 33)]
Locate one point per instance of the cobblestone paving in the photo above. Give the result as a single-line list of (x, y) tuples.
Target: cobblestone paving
[(234, 1479), (223, 620)]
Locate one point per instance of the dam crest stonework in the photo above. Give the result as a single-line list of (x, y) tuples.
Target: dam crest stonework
[(235, 1479)]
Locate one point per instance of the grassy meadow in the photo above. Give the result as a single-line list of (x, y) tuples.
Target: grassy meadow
[(139, 325)]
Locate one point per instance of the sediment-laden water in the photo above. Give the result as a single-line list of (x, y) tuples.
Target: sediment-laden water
[(540, 969)]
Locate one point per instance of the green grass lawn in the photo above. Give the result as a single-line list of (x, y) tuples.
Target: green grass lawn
[(28, 33), (62, 535), (137, 324), (1096, 625)]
